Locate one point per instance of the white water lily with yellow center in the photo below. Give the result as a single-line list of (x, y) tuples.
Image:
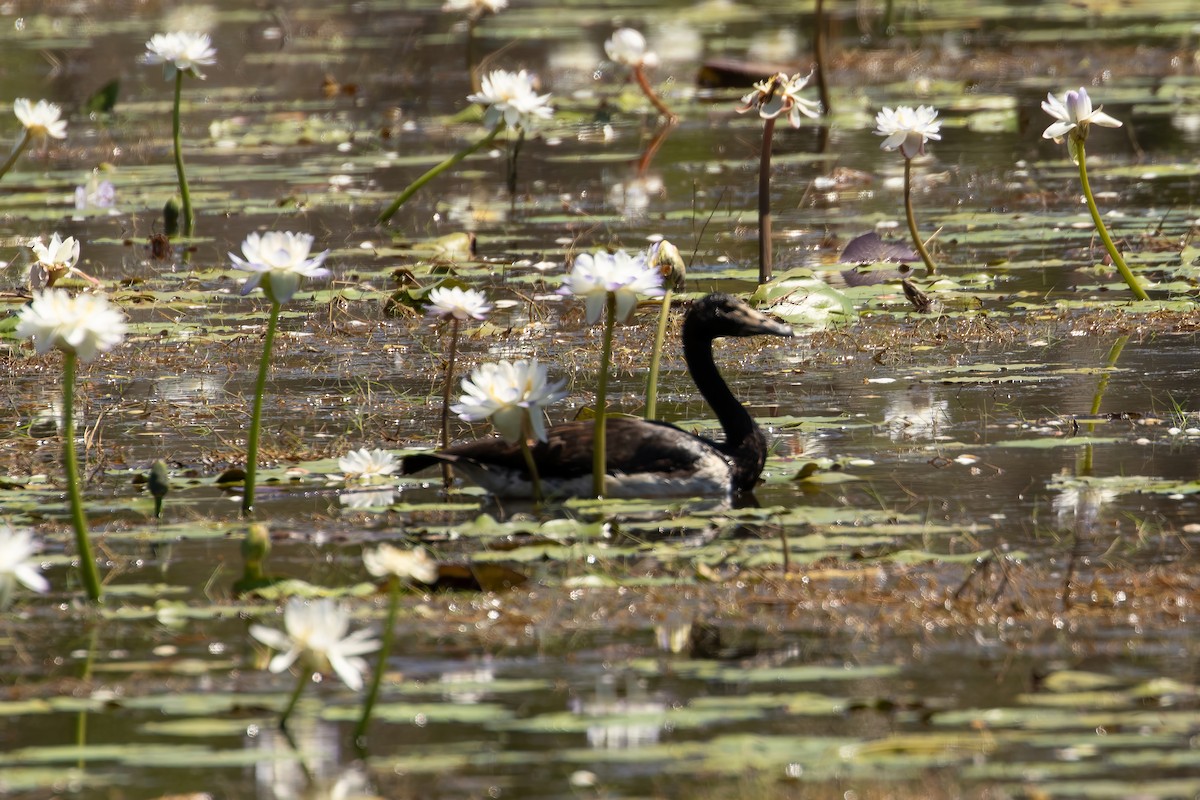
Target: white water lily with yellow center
[(181, 51), (512, 394), (456, 303), (366, 465), (513, 98), (414, 564), (84, 324), (908, 129), (40, 119), (17, 548), (318, 631)]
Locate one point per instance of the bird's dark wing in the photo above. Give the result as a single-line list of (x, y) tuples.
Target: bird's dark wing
[(633, 446)]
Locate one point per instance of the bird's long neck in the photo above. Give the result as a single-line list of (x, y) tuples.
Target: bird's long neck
[(744, 442)]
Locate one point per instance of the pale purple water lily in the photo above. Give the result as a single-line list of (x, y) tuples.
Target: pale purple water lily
[(594, 276), (1073, 114), (279, 261)]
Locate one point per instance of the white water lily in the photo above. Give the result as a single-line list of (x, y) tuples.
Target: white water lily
[(511, 96), (457, 303), (475, 8), (1073, 114), (317, 631), (41, 119), (366, 465), (594, 276), (279, 261), (415, 564), (54, 260), (628, 46), (181, 51), (17, 548), (510, 393), (84, 324), (908, 128), (780, 95)]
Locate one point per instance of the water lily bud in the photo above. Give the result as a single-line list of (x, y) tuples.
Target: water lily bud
[(160, 484), (171, 213), (256, 546)]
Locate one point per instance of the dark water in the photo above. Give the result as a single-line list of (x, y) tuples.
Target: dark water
[(954, 593)]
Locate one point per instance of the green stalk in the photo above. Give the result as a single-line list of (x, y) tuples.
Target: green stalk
[(1122, 267), (16, 153), (87, 563), (189, 218), (1114, 353), (256, 415), (599, 454), (534, 477), (447, 472), (664, 315), (930, 267), (416, 185), (764, 203), (512, 163), (303, 678), (385, 647)]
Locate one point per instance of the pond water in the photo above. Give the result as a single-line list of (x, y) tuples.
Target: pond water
[(984, 584)]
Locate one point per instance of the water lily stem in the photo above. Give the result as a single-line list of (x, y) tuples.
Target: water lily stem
[(930, 267), (16, 153), (819, 28), (87, 563), (512, 163), (385, 647), (447, 472), (189, 217), (1122, 267), (664, 315), (301, 680), (260, 386), (764, 203), (639, 75), (535, 477), (416, 185), (599, 431)]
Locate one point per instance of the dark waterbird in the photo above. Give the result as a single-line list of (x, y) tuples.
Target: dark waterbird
[(645, 458)]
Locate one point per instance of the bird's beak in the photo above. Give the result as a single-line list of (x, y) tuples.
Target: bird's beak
[(759, 324)]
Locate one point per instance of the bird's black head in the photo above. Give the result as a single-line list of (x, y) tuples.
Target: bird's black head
[(720, 315)]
